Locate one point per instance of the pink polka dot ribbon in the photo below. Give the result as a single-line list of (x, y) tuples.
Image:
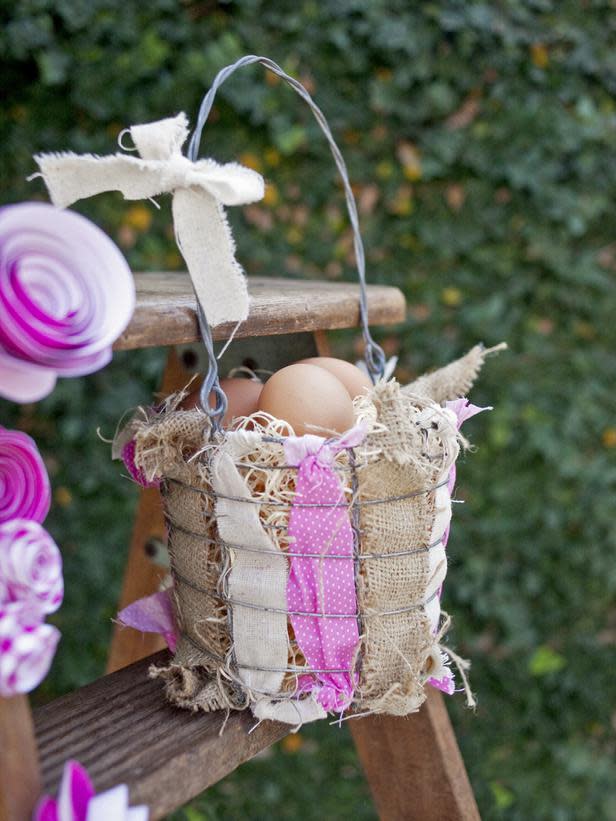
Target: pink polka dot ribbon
[(323, 585)]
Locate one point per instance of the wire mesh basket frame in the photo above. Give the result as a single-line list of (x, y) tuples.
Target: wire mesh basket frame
[(221, 594), (375, 361)]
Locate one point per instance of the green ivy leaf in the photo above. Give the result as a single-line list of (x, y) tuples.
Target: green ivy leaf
[(545, 661), (503, 797)]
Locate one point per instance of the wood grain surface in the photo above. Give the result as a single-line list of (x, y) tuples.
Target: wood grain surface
[(20, 783), (165, 310), (122, 730), (413, 765)]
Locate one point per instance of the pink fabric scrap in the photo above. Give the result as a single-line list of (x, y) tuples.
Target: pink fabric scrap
[(152, 614), (323, 585), (137, 474)]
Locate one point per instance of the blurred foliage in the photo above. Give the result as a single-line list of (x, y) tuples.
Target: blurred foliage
[(481, 140)]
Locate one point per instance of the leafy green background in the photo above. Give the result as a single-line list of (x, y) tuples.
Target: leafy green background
[(480, 138)]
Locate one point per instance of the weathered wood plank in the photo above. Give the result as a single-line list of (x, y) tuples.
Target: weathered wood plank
[(20, 783), (414, 766), (165, 311), (122, 730)]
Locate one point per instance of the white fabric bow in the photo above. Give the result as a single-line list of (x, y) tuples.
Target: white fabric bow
[(200, 190)]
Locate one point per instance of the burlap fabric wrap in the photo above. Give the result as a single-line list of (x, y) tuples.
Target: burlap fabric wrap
[(410, 447), (165, 444)]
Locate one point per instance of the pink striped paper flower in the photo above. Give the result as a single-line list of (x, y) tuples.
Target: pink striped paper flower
[(30, 565), (27, 647), (66, 293), (24, 484)]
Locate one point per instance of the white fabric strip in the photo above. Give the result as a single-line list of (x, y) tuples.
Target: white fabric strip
[(204, 237), (442, 517), (290, 711), (258, 576)]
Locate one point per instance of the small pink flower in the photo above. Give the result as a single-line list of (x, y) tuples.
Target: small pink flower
[(77, 801), (24, 484), (30, 565), (27, 647)]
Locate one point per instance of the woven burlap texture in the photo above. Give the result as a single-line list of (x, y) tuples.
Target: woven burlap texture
[(410, 450), (454, 380), (166, 449)]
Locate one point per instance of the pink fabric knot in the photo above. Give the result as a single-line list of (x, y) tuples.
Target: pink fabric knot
[(297, 448), (331, 697)]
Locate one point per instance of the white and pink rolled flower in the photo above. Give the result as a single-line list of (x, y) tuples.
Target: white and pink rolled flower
[(66, 293), (27, 647), (30, 565), (78, 801), (31, 583), (24, 484)]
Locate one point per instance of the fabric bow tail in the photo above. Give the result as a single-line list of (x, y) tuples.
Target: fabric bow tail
[(200, 190)]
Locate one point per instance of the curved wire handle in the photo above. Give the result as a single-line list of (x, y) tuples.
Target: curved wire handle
[(373, 353)]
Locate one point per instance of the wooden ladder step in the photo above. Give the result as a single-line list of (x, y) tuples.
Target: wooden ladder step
[(165, 312), (122, 730)]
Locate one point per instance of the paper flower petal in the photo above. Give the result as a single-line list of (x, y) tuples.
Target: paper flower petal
[(77, 801), (139, 813), (110, 804), (76, 792), (45, 810), (66, 293), (22, 381)]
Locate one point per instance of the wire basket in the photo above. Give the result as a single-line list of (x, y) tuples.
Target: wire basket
[(307, 571)]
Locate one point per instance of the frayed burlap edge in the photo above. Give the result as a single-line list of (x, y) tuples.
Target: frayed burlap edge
[(411, 449), (454, 380)]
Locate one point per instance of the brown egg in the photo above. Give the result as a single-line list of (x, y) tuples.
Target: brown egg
[(308, 397), (353, 378), (242, 398)]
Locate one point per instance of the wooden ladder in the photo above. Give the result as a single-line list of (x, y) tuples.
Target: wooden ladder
[(120, 727)]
